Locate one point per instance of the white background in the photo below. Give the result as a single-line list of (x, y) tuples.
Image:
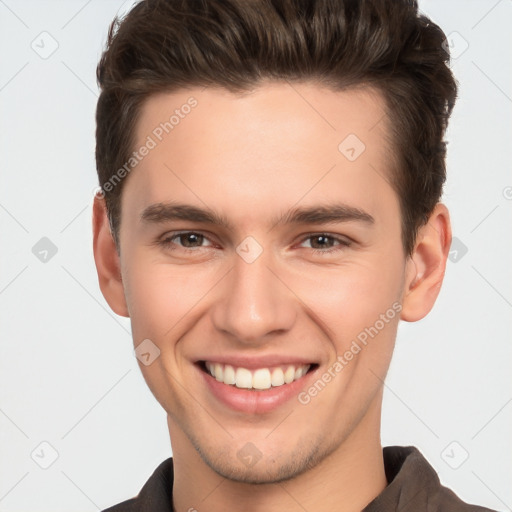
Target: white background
[(67, 371)]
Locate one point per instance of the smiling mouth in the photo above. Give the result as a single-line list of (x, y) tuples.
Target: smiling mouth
[(259, 379)]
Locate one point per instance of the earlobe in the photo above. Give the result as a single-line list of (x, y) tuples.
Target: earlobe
[(107, 259), (426, 266)]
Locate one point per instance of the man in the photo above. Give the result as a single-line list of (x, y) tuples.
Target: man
[(271, 174)]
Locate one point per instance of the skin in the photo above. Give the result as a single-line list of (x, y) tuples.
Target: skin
[(251, 158)]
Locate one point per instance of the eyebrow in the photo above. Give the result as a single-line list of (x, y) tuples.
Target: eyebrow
[(320, 214)]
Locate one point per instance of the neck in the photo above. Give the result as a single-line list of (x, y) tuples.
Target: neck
[(345, 481)]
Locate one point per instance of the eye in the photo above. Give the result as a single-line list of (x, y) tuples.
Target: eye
[(323, 243), (187, 240), (192, 241)]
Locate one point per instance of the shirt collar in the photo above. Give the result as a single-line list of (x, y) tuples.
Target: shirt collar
[(413, 486), (412, 481)]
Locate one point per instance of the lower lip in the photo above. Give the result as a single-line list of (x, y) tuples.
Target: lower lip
[(255, 401)]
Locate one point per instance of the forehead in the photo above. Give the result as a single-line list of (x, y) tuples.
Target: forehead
[(275, 144), (305, 110)]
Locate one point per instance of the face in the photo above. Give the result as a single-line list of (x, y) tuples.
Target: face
[(261, 253)]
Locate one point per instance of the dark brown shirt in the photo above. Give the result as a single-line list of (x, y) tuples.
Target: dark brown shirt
[(413, 486)]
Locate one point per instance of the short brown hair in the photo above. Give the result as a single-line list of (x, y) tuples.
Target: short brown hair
[(165, 45)]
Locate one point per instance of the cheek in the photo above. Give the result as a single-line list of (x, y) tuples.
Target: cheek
[(358, 308), (162, 300), (350, 298), (161, 296)]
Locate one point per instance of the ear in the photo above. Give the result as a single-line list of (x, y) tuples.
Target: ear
[(108, 264), (426, 265)]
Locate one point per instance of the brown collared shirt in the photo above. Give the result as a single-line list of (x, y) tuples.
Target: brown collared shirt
[(413, 486)]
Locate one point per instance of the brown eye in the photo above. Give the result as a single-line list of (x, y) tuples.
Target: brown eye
[(191, 239), (322, 243), (186, 240)]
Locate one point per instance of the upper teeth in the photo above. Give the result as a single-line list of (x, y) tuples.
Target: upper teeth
[(262, 378)]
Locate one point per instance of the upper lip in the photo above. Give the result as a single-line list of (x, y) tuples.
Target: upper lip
[(253, 362)]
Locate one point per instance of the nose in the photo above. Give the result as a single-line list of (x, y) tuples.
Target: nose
[(254, 302)]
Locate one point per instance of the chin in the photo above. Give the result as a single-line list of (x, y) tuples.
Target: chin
[(269, 468)]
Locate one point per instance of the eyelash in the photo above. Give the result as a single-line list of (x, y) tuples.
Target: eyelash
[(168, 243)]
